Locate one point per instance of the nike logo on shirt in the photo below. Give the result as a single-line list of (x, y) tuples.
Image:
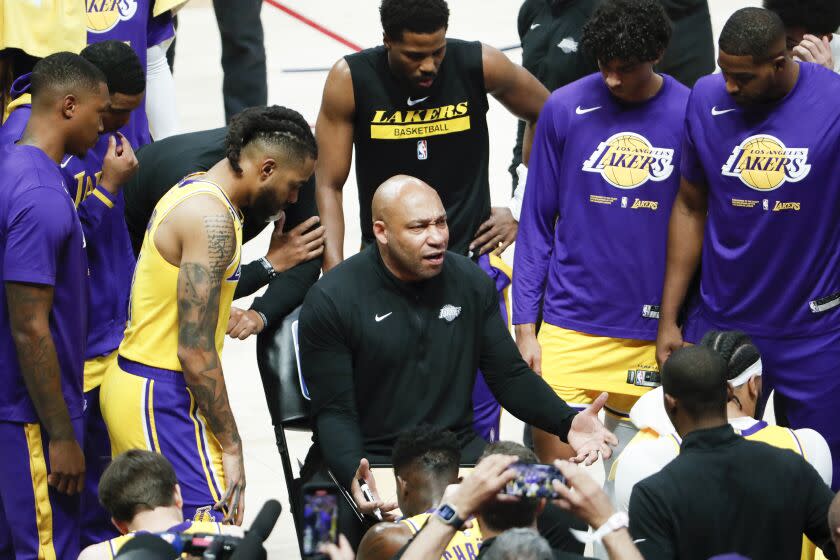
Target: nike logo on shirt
[(716, 111), (535, 25), (580, 111), (383, 317), (413, 102), (66, 161)]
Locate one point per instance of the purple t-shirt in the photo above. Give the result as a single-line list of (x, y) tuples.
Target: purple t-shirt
[(771, 249), (41, 242), (592, 235), (110, 255), (130, 21)]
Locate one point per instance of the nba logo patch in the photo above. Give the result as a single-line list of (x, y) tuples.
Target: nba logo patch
[(624, 202), (765, 204), (422, 150)]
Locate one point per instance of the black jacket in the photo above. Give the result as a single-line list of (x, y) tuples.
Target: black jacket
[(726, 494), (380, 356), (164, 163)]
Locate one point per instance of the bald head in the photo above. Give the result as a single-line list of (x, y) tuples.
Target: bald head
[(409, 223), (400, 191)]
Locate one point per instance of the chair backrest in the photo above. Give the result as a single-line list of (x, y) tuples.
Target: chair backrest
[(278, 364)]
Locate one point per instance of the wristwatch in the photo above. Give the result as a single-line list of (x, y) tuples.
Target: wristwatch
[(618, 520), (268, 268), (449, 515)]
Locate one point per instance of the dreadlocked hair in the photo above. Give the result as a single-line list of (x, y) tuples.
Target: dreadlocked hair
[(273, 126), (735, 347)]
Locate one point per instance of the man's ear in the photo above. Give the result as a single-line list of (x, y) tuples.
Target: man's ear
[(267, 168), (177, 497), (670, 404), (540, 506), (69, 106), (753, 386), (779, 62), (402, 485), (379, 232)]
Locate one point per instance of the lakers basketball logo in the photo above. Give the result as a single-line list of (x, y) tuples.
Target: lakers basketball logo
[(628, 160), (764, 163), (104, 15)]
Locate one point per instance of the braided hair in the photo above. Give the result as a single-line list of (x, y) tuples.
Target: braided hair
[(735, 347), (273, 126)]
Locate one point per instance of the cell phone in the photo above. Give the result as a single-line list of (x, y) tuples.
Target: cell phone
[(533, 480), (320, 518)]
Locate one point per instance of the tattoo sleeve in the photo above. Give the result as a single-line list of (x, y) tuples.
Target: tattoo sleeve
[(199, 289), (29, 311)]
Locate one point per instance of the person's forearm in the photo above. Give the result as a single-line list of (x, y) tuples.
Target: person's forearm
[(431, 541), (38, 359), (525, 330), (287, 291), (528, 141), (331, 210), (254, 276), (619, 545), (204, 378), (93, 208), (685, 240), (340, 440)]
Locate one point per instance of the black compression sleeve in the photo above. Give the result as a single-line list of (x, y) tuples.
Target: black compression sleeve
[(287, 290)]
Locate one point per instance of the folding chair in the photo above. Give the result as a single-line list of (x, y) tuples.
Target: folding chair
[(285, 393)]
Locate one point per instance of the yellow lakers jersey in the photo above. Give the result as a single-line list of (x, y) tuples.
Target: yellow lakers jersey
[(464, 544), (151, 335), (43, 28), (189, 527)]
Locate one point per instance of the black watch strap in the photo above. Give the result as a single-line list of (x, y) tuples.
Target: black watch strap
[(449, 515)]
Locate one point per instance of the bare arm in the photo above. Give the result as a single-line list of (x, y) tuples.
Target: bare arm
[(685, 240), (208, 244), (515, 88), (383, 541), (29, 319), (334, 133)]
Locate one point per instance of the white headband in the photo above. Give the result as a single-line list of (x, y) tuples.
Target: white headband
[(745, 375)]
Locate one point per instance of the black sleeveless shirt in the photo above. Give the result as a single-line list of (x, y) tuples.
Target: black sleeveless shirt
[(441, 139)]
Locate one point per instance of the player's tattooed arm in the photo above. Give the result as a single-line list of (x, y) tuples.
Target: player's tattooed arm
[(206, 256), (29, 319)]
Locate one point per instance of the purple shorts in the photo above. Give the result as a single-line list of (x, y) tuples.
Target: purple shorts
[(36, 521)]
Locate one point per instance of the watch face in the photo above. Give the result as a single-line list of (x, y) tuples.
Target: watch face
[(446, 512)]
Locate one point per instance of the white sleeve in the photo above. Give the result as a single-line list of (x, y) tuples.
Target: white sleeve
[(161, 109), (515, 204), (638, 462), (816, 452)]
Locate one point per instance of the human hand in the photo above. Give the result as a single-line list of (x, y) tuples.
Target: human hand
[(243, 323), (529, 346), (342, 551), (583, 497), (497, 233), (386, 509), (484, 483), (815, 49), (67, 466), (588, 436), (119, 165), (668, 339), (297, 246), (233, 501)]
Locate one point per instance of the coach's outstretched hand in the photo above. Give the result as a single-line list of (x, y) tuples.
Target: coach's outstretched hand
[(588, 436), (120, 164)]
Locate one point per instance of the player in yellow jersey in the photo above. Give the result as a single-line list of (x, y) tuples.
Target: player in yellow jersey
[(140, 491), (166, 392), (425, 462)]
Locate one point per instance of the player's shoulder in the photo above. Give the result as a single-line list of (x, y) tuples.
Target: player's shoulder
[(709, 90), (676, 89), (352, 275), (27, 167), (98, 551), (588, 90)]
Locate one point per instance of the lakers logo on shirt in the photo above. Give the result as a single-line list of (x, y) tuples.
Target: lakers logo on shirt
[(103, 15), (420, 123), (764, 163), (628, 160)]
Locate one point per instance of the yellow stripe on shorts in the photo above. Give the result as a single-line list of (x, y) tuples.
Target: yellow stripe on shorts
[(40, 488)]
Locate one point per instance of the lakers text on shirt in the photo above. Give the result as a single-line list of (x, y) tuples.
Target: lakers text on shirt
[(397, 125)]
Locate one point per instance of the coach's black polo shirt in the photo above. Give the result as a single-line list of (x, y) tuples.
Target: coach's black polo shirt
[(380, 356), (726, 494)]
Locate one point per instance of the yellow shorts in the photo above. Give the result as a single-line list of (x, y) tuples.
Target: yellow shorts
[(580, 366), (151, 408), (95, 370)]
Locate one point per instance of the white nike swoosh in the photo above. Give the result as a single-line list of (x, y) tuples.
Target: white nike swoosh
[(378, 318), (637, 541), (413, 102), (66, 161), (580, 111), (535, 25), (716, 111)]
